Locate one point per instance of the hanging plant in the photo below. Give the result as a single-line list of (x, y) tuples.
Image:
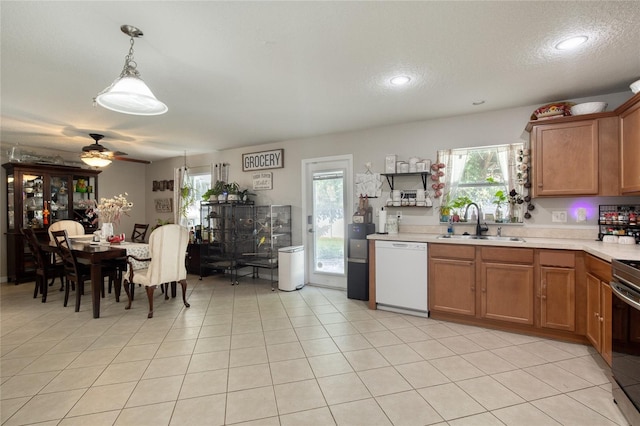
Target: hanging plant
[(188, 199)]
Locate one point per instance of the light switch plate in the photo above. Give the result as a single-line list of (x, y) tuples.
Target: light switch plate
[(581, 215), (559, 216)]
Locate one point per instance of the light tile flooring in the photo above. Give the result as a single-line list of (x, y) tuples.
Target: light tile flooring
[(247, 355)]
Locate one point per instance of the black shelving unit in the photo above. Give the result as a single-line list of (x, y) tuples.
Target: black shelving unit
[(619, 219), (227, 232)]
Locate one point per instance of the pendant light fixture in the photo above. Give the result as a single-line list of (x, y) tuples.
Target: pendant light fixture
[(128, 94)]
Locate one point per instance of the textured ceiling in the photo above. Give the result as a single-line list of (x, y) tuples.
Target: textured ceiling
[(245, 73)]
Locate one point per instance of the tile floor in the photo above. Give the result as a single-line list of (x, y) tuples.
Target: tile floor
[(246, 355)]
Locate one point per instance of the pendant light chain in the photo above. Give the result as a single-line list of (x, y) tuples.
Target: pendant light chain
[(130, 65)]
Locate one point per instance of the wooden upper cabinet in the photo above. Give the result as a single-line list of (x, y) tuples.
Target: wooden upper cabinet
[(630, 146), (565, 159), (575, 157)]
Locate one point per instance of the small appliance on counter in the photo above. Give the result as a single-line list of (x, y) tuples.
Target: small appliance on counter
[(358, 260)]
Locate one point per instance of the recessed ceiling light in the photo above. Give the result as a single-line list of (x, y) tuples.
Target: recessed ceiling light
[(571, 43), (400, 80)]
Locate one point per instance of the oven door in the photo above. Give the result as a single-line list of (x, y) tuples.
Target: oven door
[(625, 364)]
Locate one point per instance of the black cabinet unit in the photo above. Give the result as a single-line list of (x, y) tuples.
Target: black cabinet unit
[(358, 261)]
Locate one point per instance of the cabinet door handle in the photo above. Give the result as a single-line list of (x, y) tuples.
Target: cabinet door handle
[(597, 315), (601, 319)]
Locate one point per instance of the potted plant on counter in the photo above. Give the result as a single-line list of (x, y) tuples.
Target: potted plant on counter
[(446, 206), (458, 204)]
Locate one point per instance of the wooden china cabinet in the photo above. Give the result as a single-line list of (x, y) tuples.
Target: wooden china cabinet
[(36, 191)]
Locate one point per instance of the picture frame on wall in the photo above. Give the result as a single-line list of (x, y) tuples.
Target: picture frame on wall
[(164, 205)]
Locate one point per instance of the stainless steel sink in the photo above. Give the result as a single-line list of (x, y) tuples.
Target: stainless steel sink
[(482, 237)]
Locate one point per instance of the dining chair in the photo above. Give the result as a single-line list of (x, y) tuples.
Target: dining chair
[(45, 269), (71, 226), (76, 273), (139, 234), (167, 251)]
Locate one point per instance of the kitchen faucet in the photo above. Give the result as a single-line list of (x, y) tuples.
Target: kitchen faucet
[(479, 229)]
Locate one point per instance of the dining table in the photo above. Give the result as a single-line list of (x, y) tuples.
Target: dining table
[(95, 254)]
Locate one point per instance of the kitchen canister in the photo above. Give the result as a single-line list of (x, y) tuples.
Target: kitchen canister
[(402, 167), (390, 163)]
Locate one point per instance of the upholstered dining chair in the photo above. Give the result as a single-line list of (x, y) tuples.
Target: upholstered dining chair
[(76, 273), (139, 234), (71, 226), (45, 269), (167, 251)]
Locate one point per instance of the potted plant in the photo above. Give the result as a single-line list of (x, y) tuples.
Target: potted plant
[(457, 205), (187, 194), (232, 190), (216, 193), (446, 205), (244, 195), (499, 199)]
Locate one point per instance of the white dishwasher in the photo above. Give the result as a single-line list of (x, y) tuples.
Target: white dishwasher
[(401, 277)]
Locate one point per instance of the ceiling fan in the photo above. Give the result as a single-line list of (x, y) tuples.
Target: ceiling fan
[(99, 156)]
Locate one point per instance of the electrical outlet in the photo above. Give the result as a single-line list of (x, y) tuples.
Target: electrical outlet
[(399, 214), (559, 216), (581, 215)]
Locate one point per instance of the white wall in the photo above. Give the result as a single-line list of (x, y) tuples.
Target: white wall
[(422, 139)]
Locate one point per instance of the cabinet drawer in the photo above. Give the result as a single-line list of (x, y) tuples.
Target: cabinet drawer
[(599, 268), (561, 258), (452, 251), (507, 255)]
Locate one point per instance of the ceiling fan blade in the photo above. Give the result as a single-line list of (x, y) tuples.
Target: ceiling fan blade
[(132, 160)]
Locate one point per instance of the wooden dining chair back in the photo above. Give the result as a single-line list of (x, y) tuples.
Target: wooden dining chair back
[(75, 273), (139, 234), (167, 251), (45, 269), (71, 226)]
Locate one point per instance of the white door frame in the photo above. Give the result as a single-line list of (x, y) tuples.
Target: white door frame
[(305, 201)]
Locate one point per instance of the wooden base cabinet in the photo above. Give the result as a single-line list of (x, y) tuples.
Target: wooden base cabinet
[(504, 277), (452, 272), (557, 290), (507, 292), (599, 306), (526, 290)]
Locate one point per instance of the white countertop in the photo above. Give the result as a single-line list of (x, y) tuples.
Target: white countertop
[(605, 251)]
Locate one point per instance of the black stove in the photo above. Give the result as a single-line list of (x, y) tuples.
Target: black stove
[(625, 332)]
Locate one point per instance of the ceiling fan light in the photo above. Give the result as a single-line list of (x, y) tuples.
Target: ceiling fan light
[(130, 95), (95, 159)]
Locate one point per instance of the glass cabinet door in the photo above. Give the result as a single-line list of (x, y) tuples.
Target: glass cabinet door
[(32, 187), (84, 201), (11, 218), (59, 202)]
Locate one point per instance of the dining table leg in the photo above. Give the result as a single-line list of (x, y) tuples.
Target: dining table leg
[(96, 286)]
